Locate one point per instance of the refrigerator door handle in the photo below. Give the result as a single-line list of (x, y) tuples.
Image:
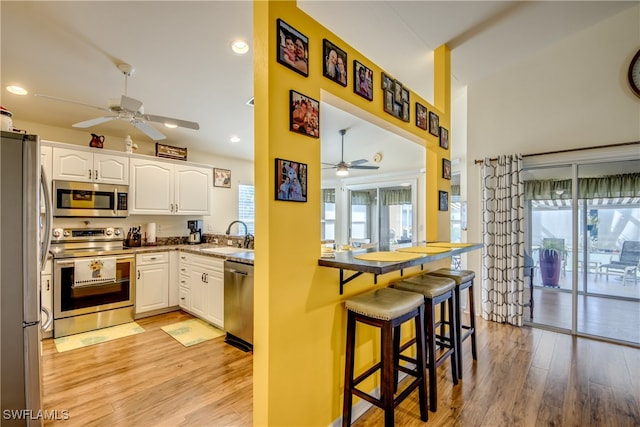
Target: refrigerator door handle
[(49, 318), (46, 244)]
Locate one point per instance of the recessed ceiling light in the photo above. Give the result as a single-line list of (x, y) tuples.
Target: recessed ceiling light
[(171, 125), (234, 139), (17, 90), (240, 47)]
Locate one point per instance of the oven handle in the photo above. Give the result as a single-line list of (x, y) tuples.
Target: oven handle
[(96, 284), (71, 261)]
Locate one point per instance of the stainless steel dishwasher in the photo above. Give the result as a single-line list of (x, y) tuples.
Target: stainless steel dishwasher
[(238, 304)]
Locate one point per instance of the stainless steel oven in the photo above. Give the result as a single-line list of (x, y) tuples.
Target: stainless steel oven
[(93, 280), (86, 199)]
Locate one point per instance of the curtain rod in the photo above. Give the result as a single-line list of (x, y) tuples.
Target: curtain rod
[(621, 144)]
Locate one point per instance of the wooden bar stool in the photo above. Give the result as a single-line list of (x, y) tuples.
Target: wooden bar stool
[(436, 290), (464, 280), (386, 309)]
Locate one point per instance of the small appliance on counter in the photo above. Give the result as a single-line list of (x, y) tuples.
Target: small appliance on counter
[(134, 238), (195, 235)]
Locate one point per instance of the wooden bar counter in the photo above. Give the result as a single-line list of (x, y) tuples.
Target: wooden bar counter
[(349, 260)]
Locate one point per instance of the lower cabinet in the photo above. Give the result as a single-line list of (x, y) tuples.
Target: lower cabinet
[(202, 287), (46, 297), (152, 281)]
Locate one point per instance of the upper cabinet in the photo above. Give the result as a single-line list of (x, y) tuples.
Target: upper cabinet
[(76, 165), (162, 188)]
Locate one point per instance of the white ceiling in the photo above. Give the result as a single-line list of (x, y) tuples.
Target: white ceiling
[(185, 68)]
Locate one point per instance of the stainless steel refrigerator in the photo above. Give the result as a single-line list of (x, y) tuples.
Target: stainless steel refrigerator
[(23, 251)]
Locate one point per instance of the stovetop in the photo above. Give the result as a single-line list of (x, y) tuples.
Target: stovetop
[(87, 242)]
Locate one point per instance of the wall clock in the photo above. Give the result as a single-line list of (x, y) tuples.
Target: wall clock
[(634, 73)]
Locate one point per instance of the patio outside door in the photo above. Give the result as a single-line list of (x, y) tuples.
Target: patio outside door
[(588, 230)]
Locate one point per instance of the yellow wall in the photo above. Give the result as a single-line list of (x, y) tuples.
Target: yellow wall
[(299, 314)]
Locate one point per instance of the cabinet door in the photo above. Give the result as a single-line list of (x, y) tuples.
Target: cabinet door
[(152, 287), (198, 292), (110, 169), (46, 297), (192, 191), (72, 165), (151, 187), (216, 300)]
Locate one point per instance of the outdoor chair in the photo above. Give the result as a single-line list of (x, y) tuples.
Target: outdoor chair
[(627, 265)]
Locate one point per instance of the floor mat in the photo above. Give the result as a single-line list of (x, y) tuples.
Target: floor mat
[(85, 339), (192, 332)]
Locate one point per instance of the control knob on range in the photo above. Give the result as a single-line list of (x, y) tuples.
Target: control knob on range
[(108, 231), (57, 232), (66, 233), (116, 231)]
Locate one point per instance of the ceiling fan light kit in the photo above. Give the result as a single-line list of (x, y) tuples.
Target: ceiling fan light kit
[(130, 109), (343, 167)]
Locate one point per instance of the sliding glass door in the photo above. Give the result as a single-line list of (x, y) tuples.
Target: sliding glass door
[(583, 232)]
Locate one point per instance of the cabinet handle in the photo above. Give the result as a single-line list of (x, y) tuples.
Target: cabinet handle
[(138, 274), (89, 173), (176, 207), (153, 258), (48, 284), (182, 298), (95, 174)]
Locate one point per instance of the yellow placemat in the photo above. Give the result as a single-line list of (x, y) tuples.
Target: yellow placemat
[(449, 244), (424, 250), (85, 339), (387, 256), (192, 332)]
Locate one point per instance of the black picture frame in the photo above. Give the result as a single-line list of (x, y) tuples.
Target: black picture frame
[(446, 168), (334, 71), (444, 138), (421, 116), (434, 124), (443, 201), (295, 60), (362, 80), (387, 82), (304, 114), (396, 98), (405, 111), (290, 181), (388, 101)]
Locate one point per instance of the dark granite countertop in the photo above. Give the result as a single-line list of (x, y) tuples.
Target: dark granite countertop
[(244, 256)]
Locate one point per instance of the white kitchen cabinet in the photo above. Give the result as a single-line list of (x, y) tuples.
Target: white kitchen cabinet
[(46, 295), (205, 290), (184, 295), (174, 278), (84, 166), (152, 281), (161, 188)]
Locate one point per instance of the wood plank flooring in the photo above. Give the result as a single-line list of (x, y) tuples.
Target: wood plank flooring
[(524, 377)]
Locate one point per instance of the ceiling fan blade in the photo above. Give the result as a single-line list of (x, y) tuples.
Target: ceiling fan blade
[(331, 167), (330, 164), (131, 104), (93, 122), (148, 130), (357, 162), (170, 120), (364, 167), (72, 102)]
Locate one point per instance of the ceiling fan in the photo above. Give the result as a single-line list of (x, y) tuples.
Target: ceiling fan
[(130, 109), (343, 167)]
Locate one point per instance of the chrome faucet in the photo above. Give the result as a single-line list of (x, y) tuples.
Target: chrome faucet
[(247, 236)]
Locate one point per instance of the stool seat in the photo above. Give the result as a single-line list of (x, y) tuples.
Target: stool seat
[(384, 304), (460, 276), (429, 286)]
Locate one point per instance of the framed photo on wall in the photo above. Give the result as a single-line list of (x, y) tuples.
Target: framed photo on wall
[(444, 138), (293, 48), (446, 168), (443, 201), (334, 64), (304, 116), (290, 181), (421, 116), (434, 124), (362, 81), (221, 178)]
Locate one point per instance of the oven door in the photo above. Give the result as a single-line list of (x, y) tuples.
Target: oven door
[(72, 299)]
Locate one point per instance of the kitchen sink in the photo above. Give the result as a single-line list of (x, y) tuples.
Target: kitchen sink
[(225, 250)]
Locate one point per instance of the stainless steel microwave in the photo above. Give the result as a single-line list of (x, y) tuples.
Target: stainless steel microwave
[(86, 199)]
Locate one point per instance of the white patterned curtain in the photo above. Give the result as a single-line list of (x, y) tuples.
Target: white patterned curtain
[(503, 238)]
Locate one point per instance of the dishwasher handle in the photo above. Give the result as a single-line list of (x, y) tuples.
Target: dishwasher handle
[(231, 270)]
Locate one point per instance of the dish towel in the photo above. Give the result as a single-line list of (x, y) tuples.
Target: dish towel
[(94, 270)]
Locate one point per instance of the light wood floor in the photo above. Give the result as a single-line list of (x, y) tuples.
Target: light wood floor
[(524, 377)]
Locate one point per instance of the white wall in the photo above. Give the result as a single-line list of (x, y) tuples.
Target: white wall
[(573, 94), (224, 200)]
